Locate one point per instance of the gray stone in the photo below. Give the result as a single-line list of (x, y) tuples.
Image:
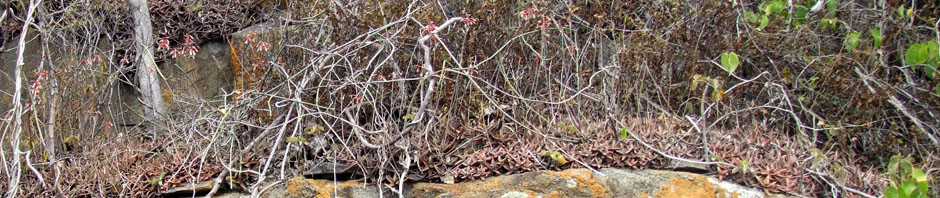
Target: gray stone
[(207, 75)]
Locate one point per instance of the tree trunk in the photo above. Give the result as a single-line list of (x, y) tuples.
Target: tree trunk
[(150, 92)]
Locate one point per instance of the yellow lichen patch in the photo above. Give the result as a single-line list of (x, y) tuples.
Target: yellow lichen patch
[(300, 187), (642, 194), (168, 96), (490, 184), (696, 186), (553, 194), (236, 69), (584, 177)]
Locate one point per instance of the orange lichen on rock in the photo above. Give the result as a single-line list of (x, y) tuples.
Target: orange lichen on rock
[(301, 187), (696, 186), (236, 68), (585, 178)]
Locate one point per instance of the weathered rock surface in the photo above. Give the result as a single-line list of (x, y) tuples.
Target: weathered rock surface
[(206, 75), (569, 183)]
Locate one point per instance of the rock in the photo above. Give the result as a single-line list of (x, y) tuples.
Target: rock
[(668, 184), (206, 75), (300, 187), (680, 165), (8, 55), (198, 188), (568, 183)]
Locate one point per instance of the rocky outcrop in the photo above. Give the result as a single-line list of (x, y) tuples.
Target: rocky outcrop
[(608, 182)]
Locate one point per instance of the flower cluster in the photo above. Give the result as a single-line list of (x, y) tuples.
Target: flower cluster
[(261, 46), (89, 61), (572, 49), (37, 83), (527, 13), (356, 98), (469, 20), (188, 48), (543, 24), (530, 14), (429, 28), (379, 77)]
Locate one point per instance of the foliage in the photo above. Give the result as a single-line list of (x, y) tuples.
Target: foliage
[(851, 41), (876, 36), (924, 55), (729, 62), (907, 181)]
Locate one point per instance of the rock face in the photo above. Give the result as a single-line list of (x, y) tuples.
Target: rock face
[(8, 55), (568, 183), (206, 75)]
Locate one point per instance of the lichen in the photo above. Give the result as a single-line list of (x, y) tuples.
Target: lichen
[(696, 186), (301, 187), (584, 176)]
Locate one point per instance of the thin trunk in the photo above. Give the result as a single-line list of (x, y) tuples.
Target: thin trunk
[(150, 92)]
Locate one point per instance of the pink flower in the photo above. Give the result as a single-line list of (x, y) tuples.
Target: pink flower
[(188, 39), (469, 20), (543, 24), (107, 125), (429, 28), (527, 13), (34, 88), (572, 49), (356, 98), (164, 43), (174, 53), (250, 38), (263, 46), (191, 51), (41, 74)]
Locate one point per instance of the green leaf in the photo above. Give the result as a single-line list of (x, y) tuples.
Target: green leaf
[(920, 179), (313, 129), (624, 132), (554, 155), (831, 6), (908, 188), (777, 6), (799, 16), (901, 11), (851, 41), (751, 16), (729, 61), (876, 35), (932, 48), (916, 54), (763, 22), (295, 140), (930, 70), (408, 117), (892, 192), (158, 179)]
